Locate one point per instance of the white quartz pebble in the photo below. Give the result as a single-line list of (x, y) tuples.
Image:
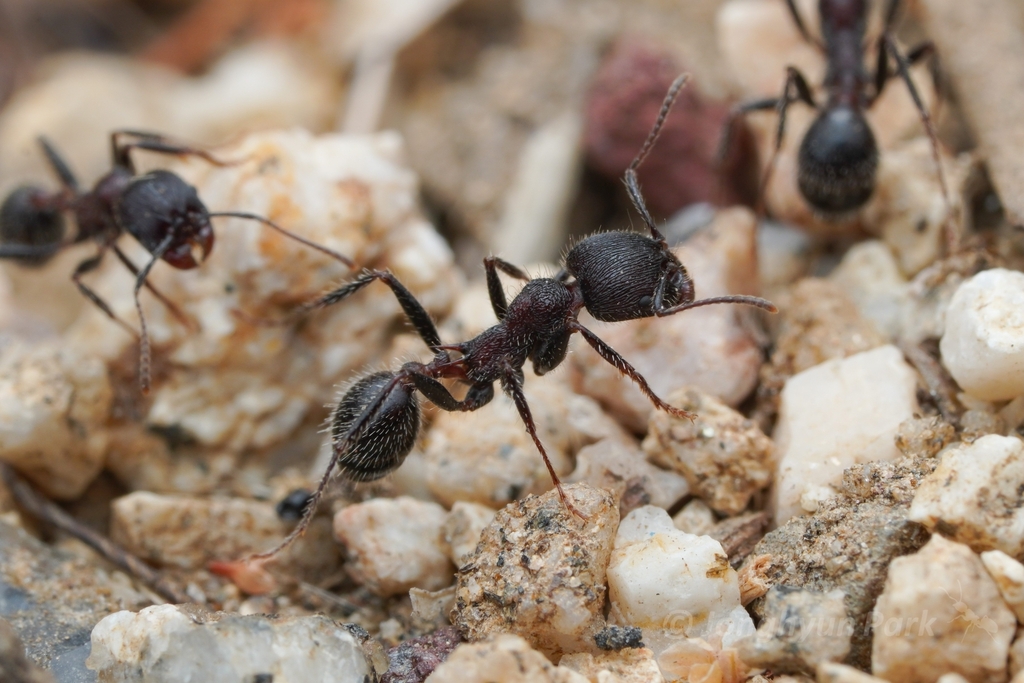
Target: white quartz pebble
[(835, 415), (983, 345), (1008, 574), (973, 496), (664, 579), (396, 544), (168, 644)]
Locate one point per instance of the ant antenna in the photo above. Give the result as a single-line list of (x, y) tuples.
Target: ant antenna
[(287, 233), (632, 186)]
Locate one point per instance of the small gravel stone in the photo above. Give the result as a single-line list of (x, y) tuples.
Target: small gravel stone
[(619, 637), (395, 544), (462, 528), (831, 672), (631, 665), (837, 414), (1008, 574), (974, 495), (414, 660), (539, 572), (983, 345), (817, 321), (941, 612), (618, 465), (170, 644), (738, 535), (695, 518), (14, 666), (813, 628), (54, 405), (710, 348), (724, 456), (924, 436), (179, 531), (504, 659), (671, 584)]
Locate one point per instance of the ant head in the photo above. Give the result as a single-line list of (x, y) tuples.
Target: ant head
[(160, 205), (386, 438), (619, 273), (837, 161), (30, 219)]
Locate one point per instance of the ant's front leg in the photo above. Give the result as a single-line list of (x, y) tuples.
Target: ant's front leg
[(87, 266), (171, 306), (622, 365), (153, 142), (492, 264)]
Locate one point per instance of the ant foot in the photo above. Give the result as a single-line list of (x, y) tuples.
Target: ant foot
[(679, 412), (568, 504)]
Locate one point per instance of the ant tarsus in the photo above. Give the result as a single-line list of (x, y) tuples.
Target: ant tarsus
[(159, 209), (616, 276)]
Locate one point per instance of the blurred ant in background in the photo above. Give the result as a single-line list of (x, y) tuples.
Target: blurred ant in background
[(615, 276), (159, 209), (838, 157)]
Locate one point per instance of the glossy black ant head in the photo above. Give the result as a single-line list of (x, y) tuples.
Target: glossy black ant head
[(837, 161), (387, 437), (619, 274), (160, 206), (29, 219)]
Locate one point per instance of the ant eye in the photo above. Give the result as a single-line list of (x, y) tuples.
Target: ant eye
[(646, 301)]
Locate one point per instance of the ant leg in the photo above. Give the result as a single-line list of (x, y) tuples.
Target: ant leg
[(903, 67), (153, 142), (477, 397), (492, 264), (890, 15), (632, 185), (623, 366), (59, 166), (413, 309), (801, 26), (512, 383), (171, 306), (287, 233), (140, 280), (86, 266), (795, 90), (725, 141)]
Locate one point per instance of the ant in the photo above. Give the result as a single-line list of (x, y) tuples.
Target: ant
[(616, 276), (838, 156), (159, 209)]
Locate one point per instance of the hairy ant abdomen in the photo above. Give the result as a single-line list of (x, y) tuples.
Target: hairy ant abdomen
[(160, 204), (26, 220), (618, 273), (838, 160), (380, 444)]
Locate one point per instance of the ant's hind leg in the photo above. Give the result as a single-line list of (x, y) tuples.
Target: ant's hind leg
[(492, 264), (512, 383), (622, 365), (477, 397)]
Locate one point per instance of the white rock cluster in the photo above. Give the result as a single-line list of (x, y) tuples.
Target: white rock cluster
[(169, 644), (983, 345), (837, 414)]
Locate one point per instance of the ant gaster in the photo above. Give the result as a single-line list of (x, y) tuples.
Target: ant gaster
[(838, 156), (159, 209), (616, 276)]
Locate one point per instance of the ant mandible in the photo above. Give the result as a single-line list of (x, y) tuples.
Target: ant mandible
[(159, 209), (616, 276), (838, 156)]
